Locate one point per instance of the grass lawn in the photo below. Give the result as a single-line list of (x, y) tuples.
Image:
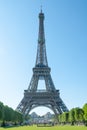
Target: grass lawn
[(47, 128)]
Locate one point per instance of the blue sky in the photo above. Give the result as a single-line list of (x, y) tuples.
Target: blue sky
[(66, 45)]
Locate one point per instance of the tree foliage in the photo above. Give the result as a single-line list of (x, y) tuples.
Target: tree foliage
[(8, 114), (85, 111), (79, 114), (1, 110), (74, 116)]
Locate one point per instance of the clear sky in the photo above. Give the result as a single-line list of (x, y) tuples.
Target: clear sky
[(66, 44)]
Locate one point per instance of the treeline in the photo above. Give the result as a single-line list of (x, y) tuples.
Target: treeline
[(74, 116), (7, 114)]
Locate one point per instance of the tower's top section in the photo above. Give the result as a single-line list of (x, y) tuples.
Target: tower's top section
[(41, 37), (41, 59)]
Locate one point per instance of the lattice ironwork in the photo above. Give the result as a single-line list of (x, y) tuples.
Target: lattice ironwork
[(49, 97)]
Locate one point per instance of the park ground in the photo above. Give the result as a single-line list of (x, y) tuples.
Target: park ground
[(34, 127)]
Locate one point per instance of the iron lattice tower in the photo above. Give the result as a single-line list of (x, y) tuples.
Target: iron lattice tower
[(50, 97)]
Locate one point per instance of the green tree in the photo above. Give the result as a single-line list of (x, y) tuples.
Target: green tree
[(1, 111), (7, 114), (72, 116), (64, 117), (18, 117), (60, 118), (85, 111), (79, 114), (85, 114)]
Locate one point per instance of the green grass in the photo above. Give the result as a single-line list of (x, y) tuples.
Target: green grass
[(47, 128)]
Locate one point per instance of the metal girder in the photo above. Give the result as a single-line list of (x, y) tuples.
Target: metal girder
[(50, 97)]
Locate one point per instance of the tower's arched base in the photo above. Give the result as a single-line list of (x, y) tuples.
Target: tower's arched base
[(32, 100)]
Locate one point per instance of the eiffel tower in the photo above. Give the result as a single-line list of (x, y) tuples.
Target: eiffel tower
[(48, 97)]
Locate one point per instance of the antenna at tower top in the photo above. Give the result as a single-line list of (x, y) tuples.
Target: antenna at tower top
[(41, 8)]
